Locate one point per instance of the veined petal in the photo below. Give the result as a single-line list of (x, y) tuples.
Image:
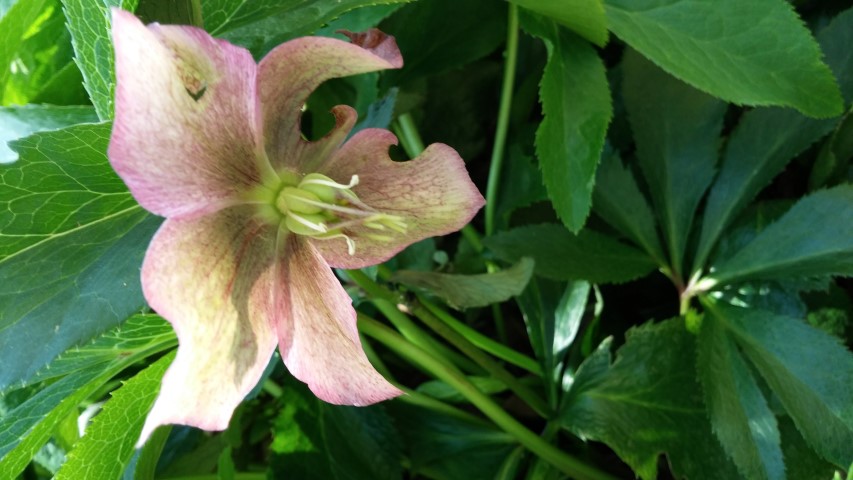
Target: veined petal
[(432, 193), (186, 138), (305, 63), (212, 279), (318, 336)]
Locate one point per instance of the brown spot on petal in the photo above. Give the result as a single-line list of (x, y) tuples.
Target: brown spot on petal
[(378, 43)]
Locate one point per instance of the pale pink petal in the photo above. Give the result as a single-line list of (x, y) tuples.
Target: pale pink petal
[(432, 193), (185, 138), (212, 279), (291, 71), (318, 337)]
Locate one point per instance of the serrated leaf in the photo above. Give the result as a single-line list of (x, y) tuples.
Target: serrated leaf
[(260, 25), (13, 29), (466, 291), (584, 17), (766, 139), (676, 128), (801, 462), (815, 237), (577, 110), (17, 122), (26, 428), (89, 24), (561, 255), (618, 200), (739, 413), (809, 371), (469, 30), (106, 448), (753, 53), (646, 403)]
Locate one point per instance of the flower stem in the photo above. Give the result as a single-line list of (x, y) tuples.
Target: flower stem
[(441, 369), (380, 293), (410, 139), (503, 118)]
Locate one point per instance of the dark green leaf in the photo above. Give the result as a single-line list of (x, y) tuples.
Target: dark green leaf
[(561, 255), (577, 109), (618, 200), (89, 24), (815, 237), (766, 139), (809, 370), (740, 416), (465, 291), (754, 53), (646, 403), (18, 122), (358, 20), (438, 35), (14, 26), (585, 17), (260, 25), (106, 448), (26, 428), (521, 184), (801, 462), (446, 447), (676, 128)]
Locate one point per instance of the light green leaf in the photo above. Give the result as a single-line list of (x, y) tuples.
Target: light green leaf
[(815, 237), (739, 413), (26, 428), (766, 139), (465, 291), (585, 17), (810, 371), (618, 200), (754, 53), (677, 129), (561, 255), (72, 243), (646, 403), (106, 448), (89, 24), (17, 122), (14, 26), (577, 109), (260, 25)]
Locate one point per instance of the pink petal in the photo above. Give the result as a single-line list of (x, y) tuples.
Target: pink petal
[(291, 71), (433, 193), (211, 278), (183, 156), (318, 337)]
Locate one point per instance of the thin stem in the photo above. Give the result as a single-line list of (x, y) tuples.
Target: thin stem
[(410, 139), (503, 118), (441, 369)]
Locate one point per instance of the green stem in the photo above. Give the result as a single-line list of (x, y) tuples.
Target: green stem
[(411, 331), (483, 342), (441, 369), (410, 139), (503, 118)]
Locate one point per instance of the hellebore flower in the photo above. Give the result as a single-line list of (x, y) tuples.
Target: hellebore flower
[(256, 215)]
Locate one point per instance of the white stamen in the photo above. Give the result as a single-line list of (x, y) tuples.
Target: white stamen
[(329, 183), (314, 226)]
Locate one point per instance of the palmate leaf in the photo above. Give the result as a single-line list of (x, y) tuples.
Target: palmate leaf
[(71, 243), (676, 128), (464, 291), (585, 17), (561, 255), (754, 53), (809, 371), (260, 25), (577, 109), (814, 238), (106, 448), (26, 428), (739, 413), (766, 139), (646, 403)]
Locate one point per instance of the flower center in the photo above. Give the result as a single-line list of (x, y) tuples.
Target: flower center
[(320, 208)]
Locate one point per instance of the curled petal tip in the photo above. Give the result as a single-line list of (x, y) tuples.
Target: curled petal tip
[(377, 42)]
